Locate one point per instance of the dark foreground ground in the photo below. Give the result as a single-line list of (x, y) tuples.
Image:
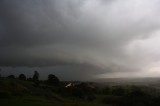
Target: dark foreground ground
[(15, 92)]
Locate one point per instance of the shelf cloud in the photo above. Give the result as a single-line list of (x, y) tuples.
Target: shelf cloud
[(117, 37)]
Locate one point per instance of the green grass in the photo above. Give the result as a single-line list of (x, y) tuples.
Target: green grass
[(14, 92), (42, 101)]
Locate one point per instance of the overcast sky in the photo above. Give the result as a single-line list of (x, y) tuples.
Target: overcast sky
[(80, 39)]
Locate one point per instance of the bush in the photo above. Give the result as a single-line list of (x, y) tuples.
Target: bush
[(52, 80), (22, 77)]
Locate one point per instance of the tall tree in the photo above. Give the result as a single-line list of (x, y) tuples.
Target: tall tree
[(0, 72), (36, 76)]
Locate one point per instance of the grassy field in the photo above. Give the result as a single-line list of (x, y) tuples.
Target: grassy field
[(41, 101), (15, 92)]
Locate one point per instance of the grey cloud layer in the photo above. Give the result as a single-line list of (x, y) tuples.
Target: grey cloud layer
[(59, 32)]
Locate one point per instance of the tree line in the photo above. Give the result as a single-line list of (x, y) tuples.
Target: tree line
[(52, 79)]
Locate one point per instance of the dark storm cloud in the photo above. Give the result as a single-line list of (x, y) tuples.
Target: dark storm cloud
[(98, 33), (33, 30)]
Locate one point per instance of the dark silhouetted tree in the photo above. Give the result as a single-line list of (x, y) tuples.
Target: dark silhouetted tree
[(0, 72), (22, 77), (52, 80), (36, 76), (11, 76)]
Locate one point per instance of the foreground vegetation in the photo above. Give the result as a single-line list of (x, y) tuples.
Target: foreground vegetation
[(52, 92)]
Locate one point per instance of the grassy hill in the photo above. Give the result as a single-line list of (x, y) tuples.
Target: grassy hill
[(15, 92)]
